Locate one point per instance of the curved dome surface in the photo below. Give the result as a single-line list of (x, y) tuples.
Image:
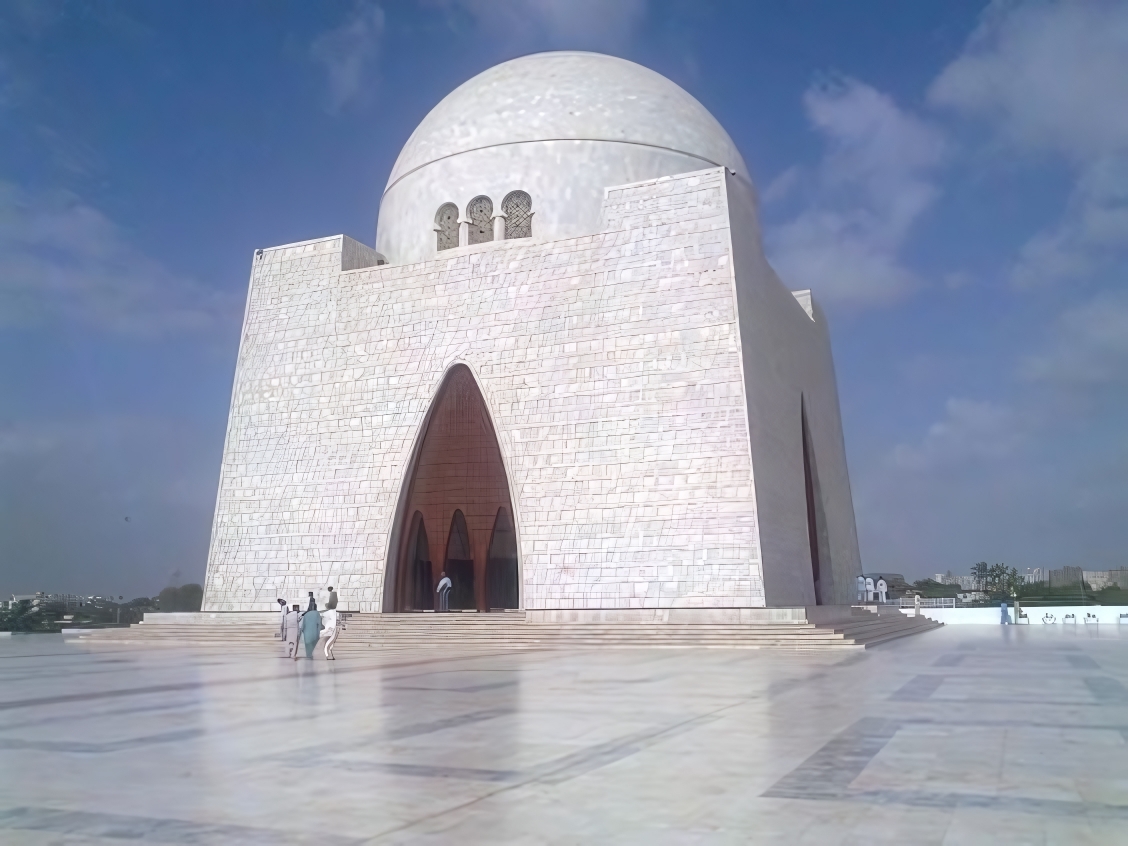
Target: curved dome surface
[(573, 96), (561, 126)]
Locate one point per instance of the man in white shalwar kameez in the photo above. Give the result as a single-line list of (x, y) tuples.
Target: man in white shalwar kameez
[(291, 631), (333, 624)]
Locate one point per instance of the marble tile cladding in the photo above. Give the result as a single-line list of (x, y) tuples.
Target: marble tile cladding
[(610, 364)]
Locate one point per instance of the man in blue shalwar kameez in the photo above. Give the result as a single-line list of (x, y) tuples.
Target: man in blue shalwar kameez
[(311, 628)]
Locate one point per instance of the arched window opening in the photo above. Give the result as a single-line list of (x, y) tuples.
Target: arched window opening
[(501, 564), (421, 583), (518, 209), (480, 213), (446, 226), (459, 564)]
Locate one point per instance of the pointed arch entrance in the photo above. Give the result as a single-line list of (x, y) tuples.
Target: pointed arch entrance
[(458, 489)]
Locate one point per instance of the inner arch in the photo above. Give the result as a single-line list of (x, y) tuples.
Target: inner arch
[(457, 482)]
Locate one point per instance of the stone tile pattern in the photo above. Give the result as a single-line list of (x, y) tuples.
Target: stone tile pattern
[(610, 364)]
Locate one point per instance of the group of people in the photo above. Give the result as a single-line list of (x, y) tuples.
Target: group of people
[(310, 626)]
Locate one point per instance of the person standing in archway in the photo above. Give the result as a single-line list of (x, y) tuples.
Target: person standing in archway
[(443, 590)]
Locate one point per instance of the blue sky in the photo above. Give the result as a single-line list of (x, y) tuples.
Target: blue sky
[(951, 178)]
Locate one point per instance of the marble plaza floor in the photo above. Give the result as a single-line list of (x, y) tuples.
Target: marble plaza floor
[(964, 735)]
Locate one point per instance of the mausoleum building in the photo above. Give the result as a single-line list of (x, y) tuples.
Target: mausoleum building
[(565, 375)]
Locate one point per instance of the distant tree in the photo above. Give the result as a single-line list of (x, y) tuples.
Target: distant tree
[(191, 597), (981, 571), (1002, 580), (187, 598), (23, 617), (932, 588)]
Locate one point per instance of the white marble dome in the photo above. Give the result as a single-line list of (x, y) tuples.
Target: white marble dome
[(559, 126)]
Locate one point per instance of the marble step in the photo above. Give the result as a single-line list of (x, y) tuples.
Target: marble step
[(511, 631)]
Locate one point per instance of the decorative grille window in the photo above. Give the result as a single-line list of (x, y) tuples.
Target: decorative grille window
[(518, 208), (480, 212), (446, 226)]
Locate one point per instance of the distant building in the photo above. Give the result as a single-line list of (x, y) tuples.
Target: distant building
[(1100, 579), (894, 581), (966, 582), (39, 599), (1065, 577)]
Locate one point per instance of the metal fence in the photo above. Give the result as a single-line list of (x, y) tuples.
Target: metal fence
[(938, 602)]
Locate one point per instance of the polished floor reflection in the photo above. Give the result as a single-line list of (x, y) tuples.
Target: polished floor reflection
[(963, 735)]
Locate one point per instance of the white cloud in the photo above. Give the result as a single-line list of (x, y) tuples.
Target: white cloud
[(1051, 78), (1092, 234), (347, 51), (1048, 75), (872, 185), (591, 24), (64, 261), (782, 186), (1089, 348), (971, 430)]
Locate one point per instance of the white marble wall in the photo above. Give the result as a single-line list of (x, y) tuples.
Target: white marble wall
[(610, 363)]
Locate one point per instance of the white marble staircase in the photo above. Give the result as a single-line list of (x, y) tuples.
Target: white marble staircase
[(842, 628)]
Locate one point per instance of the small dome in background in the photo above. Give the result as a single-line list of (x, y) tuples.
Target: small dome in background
[(558, 126)]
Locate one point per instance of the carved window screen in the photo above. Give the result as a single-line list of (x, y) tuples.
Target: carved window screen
[(480, 212), (446, 226), (518, 208)]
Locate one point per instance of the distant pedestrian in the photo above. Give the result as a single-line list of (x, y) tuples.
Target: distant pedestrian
[(443, 590), (331, 604), (282, 618), (1003, 614), (312, 602), (311, 628), (291, 631), (333, 625)]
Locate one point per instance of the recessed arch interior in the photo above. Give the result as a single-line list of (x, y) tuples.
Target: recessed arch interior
[(501, 565), (817, 537), (418, 589), (456, 487)]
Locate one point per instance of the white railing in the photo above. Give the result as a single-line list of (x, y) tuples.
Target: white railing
[(937, 602)]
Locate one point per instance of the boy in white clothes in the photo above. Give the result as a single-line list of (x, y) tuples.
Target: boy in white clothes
[(333, 625)]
